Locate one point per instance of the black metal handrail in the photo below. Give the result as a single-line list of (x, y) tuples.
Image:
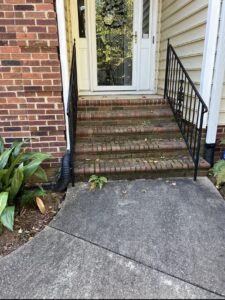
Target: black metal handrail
[(186, 103), (72, 110)]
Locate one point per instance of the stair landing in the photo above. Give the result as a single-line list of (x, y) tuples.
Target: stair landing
[(129, 137)]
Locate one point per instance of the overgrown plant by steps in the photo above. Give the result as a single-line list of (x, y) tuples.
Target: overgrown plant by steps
[(16, 168), (96, 181), (218, 170)]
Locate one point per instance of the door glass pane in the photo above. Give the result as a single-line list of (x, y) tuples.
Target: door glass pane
[(145, 20), (81, 18), (114, 30)]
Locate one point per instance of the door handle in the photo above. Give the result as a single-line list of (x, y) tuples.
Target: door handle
[(135, 37)]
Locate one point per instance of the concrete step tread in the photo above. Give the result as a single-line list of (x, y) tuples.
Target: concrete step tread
[(135, 165), (145, 127), (125, 114), (131, 145)]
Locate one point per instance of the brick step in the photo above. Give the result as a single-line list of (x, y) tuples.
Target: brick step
[(103, 109), (130, 101), (125, 115), (123, 137), (125, 122), (131, 148), (139, 168), (144, 128)]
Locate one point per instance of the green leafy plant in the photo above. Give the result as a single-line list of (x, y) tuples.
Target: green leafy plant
[(16, 168), (6, 212), (97, 181), (218, 170)]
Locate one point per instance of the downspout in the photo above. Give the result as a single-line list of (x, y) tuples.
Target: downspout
[(64, 176), (209, 55), (217, 90)]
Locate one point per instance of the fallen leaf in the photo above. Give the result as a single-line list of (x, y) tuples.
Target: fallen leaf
[(40, 205)]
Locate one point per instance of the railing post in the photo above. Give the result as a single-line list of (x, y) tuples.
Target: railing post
[(167, 69), (199, 144), (178, 89)]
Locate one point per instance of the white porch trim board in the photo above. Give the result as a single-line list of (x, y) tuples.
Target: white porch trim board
[(209, 54), (63, 61), (217, 88)]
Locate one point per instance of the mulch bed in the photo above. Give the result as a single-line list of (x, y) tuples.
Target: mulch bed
[(29, 223)]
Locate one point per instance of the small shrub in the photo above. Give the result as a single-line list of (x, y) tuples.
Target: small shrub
[(218, 170), (16, 168), (97, 181)]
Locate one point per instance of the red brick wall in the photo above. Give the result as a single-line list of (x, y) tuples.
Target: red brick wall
[(30, 80)]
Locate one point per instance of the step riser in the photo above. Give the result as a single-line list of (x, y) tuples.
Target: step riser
[(121, 115), (143, 175), (124, 118), (122, 102), (152, 154), (122, 108)]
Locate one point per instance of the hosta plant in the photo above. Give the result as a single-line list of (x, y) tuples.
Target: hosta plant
[(97, 181), (16, 168)]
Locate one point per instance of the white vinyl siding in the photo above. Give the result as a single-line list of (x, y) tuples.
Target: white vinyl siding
[(222, 108), (184, 22)]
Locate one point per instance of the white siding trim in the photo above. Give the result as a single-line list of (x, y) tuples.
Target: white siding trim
[(217, 88), (209, 52), (63, 60)]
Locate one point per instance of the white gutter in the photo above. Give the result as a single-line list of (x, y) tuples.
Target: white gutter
[(64, 61), (209, 52), (217, 89)]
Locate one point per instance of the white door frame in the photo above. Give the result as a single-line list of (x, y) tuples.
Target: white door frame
[(91, 35)]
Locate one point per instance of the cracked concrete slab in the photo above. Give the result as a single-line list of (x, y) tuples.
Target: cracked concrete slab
[(56, 265), (176, 226)]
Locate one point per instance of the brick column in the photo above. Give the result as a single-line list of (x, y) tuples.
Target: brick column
[(31, 103)]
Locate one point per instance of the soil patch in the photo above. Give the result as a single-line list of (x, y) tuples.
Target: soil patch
[(29, 223)]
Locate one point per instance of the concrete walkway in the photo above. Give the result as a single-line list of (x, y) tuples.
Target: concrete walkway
[(139, 239)]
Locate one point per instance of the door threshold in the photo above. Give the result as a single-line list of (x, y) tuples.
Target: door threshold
[(100, 93)]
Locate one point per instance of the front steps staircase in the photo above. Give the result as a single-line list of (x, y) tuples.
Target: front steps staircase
[(130, 137)]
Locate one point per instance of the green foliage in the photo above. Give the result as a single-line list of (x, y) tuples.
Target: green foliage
[(16, 168), (222, 142), (97, 181), (218, 171), (6, 212)]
